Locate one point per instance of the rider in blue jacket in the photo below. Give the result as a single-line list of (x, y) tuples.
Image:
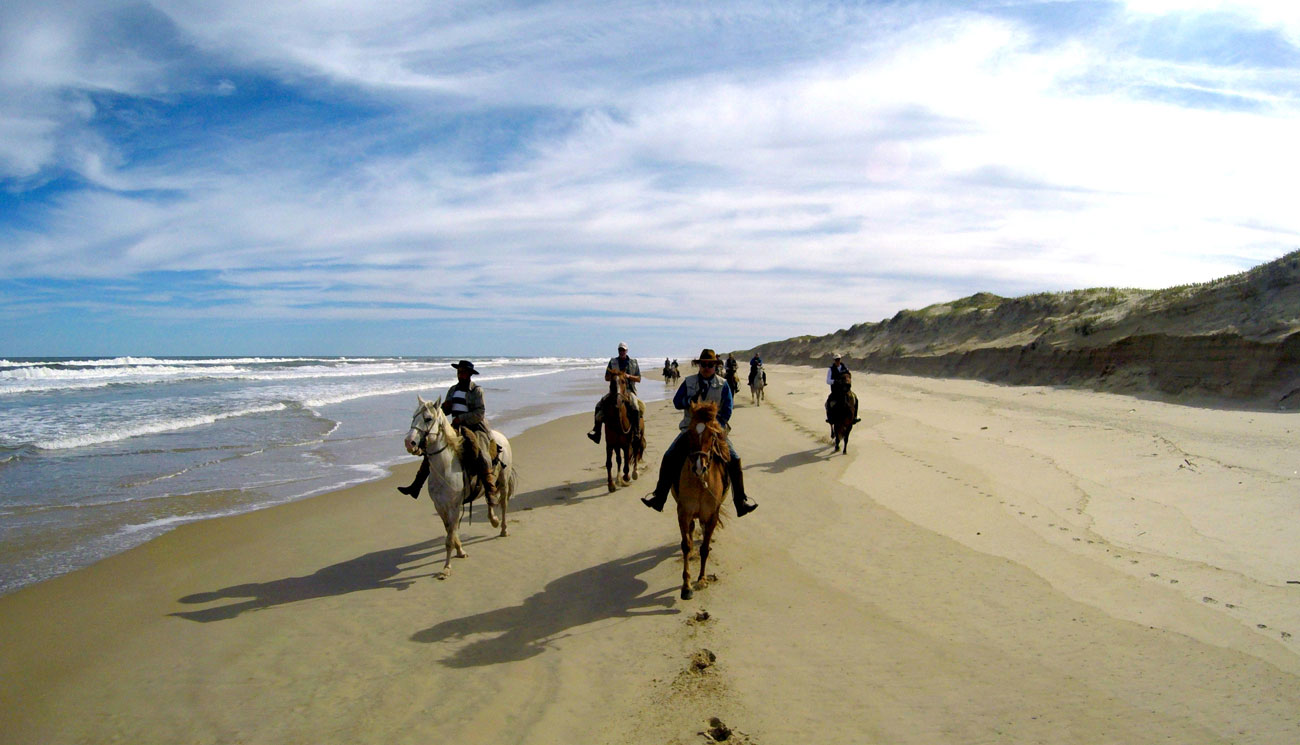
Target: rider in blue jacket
[(706, 386)]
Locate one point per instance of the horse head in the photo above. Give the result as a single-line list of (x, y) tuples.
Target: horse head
[(618, 383), (426, 418), (708, 438)]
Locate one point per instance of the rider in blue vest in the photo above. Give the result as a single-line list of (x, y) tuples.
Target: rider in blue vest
[(706, 386)]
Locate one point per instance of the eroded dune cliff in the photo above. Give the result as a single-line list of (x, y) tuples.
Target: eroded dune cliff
[(1237, 338)]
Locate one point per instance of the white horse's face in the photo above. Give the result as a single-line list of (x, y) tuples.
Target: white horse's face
[(422, 422)]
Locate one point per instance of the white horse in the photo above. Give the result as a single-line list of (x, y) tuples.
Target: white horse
[(432, 436), (756, 387)]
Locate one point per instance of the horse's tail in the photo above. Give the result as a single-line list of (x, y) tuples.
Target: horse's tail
[(507, 482)]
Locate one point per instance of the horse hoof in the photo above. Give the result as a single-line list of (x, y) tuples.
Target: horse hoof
[(611, 486), (687, 593), (442, 575), (504, 532)]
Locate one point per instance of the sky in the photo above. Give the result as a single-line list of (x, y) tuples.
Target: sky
[(185, 177)]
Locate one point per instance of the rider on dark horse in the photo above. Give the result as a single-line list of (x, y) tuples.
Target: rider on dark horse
[(706, 386), (628, 366), (840, 381), (464, 404)]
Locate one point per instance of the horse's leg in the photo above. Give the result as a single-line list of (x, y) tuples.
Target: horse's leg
[(625, 455), (609, 457), (708, 526), (504, 490), (450, 515), (687, 525)]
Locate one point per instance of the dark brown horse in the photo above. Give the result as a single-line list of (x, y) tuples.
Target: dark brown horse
[(700, 487), (843, 411), (624, 431)]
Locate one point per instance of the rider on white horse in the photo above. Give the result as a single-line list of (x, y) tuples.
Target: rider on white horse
[(464, 404), (706, 386), (629, 366)]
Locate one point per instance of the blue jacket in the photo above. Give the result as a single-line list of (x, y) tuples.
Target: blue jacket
[(718, 391)]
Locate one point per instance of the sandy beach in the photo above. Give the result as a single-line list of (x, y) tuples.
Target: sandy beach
[(987, 564)]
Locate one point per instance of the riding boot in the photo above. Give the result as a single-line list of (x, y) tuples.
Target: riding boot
[(490, 487), (669, 469), (594, 434), (744, 505), (413, 491)]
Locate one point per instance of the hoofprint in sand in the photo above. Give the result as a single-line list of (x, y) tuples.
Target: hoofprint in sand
[(928, 587)]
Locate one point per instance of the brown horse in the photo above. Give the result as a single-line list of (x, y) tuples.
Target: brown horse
[(624, 431), (843, 411), (700, 487)]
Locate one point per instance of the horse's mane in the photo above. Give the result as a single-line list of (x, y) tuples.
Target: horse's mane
[(449, 433)]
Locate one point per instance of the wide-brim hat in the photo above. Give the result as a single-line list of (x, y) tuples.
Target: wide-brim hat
[(706, 355), (466, 365)]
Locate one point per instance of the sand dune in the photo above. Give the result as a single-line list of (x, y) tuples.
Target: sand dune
[(987, 564)]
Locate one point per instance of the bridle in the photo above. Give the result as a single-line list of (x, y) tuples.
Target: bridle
[(428, 420)]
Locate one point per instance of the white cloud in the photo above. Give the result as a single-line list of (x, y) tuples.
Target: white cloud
[(875, 172)]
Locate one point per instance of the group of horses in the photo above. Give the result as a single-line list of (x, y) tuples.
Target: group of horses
[(699, 489)]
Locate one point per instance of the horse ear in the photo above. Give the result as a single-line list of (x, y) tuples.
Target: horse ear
[(420, 398), (438, 404)]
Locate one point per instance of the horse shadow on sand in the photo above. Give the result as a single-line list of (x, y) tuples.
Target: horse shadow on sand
[(568, 493), (609, 590), (792, 460), (378, 570)]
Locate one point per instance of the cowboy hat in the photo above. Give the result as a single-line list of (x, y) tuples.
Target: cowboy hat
[(707, 355), (466, 365)]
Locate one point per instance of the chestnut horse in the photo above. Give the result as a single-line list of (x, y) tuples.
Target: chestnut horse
[(700, 487), (624, 431), (843, 411)]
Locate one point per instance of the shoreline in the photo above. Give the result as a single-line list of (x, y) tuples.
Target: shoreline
[(51, 533), (895, 594)]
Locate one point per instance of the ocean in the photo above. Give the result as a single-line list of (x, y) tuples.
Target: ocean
[(98, 455)]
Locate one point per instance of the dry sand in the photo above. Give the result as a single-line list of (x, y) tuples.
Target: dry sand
[(987, 565)]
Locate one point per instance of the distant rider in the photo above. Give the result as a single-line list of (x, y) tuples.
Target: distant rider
[(465, 405), (834, 378), (755, 362), (705, 386), (627, 365)]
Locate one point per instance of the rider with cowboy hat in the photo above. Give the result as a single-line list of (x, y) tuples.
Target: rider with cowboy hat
[(630, 367), (464, 404), (705, 386)]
